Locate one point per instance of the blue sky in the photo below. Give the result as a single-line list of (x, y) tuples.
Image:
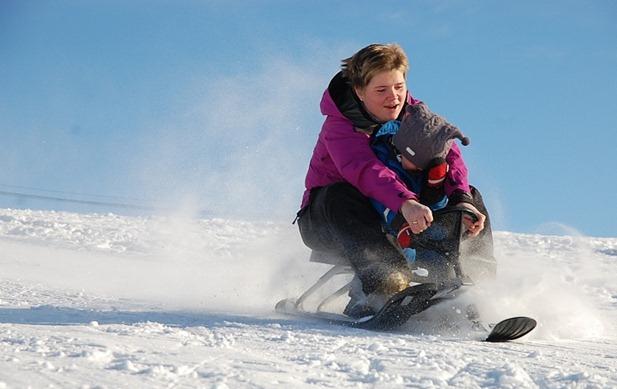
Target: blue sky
[(214, 105)]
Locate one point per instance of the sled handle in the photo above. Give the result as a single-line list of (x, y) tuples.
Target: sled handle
[(457, 208)]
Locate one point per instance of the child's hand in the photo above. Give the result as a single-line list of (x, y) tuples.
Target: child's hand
[(417, 215), (473, 227)]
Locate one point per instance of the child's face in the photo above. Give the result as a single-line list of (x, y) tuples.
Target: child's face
[(409, 166)]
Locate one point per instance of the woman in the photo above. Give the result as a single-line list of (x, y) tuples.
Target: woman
[(344, 172)]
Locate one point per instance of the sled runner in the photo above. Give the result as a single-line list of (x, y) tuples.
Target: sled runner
[(440, 273)]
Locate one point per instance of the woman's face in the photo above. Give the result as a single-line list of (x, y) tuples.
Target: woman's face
[(385, 94)]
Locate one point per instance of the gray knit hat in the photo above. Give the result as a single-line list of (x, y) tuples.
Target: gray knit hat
[(424, 135)]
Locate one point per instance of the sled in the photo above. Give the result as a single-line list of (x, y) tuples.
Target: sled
[(439, 274)]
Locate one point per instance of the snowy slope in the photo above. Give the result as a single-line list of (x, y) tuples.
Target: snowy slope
[(91, 300)]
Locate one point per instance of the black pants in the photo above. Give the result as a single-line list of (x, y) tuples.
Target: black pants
[(342, 221)]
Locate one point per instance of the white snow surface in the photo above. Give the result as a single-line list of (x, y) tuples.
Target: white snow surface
[(108, 301)]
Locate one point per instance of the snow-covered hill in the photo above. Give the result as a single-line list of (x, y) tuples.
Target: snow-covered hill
[(91, 300)]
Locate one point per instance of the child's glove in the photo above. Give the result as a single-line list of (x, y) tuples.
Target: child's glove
[(433, 190)]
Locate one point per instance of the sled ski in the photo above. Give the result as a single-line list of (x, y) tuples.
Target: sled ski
[(402, 306), (510, 329)]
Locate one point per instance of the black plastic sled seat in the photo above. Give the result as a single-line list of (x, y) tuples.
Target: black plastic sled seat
[(438, 252), (328, 258)]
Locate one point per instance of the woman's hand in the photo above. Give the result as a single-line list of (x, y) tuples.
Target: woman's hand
[(417, 215), (473, 227)]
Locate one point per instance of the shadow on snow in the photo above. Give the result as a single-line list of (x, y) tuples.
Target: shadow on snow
[(66, 316)]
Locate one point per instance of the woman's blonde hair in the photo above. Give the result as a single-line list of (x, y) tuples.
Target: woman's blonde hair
[(363, 65)]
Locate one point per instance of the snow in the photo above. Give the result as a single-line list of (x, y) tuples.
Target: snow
[(102, 301)]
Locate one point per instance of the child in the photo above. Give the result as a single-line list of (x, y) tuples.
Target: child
[(416, 149)]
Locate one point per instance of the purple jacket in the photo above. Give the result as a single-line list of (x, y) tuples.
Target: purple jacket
[(343, 154)]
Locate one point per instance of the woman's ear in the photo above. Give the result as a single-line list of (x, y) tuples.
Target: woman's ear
[(359, 92)]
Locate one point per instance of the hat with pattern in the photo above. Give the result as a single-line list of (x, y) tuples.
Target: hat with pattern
[(424, 135)]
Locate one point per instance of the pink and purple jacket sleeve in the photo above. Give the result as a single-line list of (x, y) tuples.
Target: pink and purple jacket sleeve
[(457, 179), (353, 157)]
